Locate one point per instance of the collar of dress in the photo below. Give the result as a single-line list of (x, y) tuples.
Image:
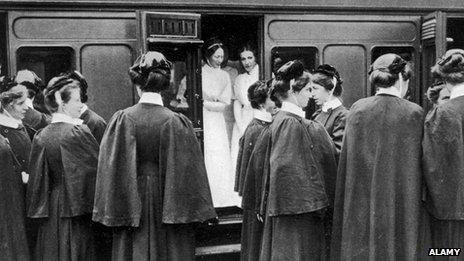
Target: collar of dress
[(152, 98), (457, 91), (332, 104), (391, 91), (60, 117), (8, 121), (292, 108), (262, 115)]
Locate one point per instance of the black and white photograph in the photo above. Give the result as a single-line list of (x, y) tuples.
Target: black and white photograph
[(231, 130)]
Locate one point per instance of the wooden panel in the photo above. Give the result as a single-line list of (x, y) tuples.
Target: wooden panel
[(350, 61), (105, 68), (73, 28), (342, 30)]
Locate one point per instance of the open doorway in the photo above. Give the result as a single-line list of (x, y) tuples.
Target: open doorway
[(234, 31)]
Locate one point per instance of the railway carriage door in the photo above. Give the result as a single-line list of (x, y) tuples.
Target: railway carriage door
[(177, 36), (433, 39), (349, 43)]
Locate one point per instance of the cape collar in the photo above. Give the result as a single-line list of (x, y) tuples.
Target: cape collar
[(152, 98), (262, 115), (8, 121), (60, 117), (292, 108), (330, 105), (457, 91), (390, 91)]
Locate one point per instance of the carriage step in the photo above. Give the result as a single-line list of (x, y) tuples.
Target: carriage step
[(217, 250)]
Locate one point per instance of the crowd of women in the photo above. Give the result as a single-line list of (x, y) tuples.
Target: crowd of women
[(378, 182)]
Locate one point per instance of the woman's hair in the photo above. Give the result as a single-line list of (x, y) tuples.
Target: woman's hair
[(291, 75), (77, 76), (6, 95), (31, 81), (248, 47), (385, 70), (258, 93), (152, 72), (433, 92), (210, 47), (328, 77), (450, 67), (63, 85)]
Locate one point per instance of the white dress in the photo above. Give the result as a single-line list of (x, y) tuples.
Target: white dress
[(217, 94), (242, 83)]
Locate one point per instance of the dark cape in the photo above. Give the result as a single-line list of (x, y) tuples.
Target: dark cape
[(20, 143), (301, 186), (34, 121), (95, 122), (61, 190), (334, 122), (14, 244), (151, 184), (246, 144), (378, 198), (256, 146), (443, 146)]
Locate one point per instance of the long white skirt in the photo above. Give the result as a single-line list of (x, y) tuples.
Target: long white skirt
[(218, 161)]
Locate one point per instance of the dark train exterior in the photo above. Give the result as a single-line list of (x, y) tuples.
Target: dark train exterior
[(103, 38)]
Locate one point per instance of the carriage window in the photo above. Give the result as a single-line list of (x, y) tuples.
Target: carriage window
[(408, 54), (454, 36), (281, 55), (46, 62)]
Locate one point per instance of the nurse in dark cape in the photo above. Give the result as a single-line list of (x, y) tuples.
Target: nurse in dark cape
[(61, 188), (444, 158), (326, 89), (151, 185), (302, 173), (13, 237), (378, 197), (249, 179)]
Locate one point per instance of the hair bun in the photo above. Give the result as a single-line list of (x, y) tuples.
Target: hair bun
[(397, 65), (453, 63), (290, 70)]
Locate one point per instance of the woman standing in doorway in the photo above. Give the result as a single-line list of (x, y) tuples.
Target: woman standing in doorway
[(216, 96), (243, 111)]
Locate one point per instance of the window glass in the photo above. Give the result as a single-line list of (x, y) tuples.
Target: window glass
[(46, 62)]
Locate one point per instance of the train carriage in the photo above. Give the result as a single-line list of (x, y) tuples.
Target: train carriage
[(102, 39)]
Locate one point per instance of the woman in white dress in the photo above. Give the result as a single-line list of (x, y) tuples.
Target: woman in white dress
[(243, 112), (217, 94)]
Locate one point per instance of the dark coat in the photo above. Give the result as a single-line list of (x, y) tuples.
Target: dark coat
[(95, 122), (252, 193), (61, 189), (35, 121), (152, 184), (334, 122), (246, 144), (14, 243), (378, 198), (301, 187)]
